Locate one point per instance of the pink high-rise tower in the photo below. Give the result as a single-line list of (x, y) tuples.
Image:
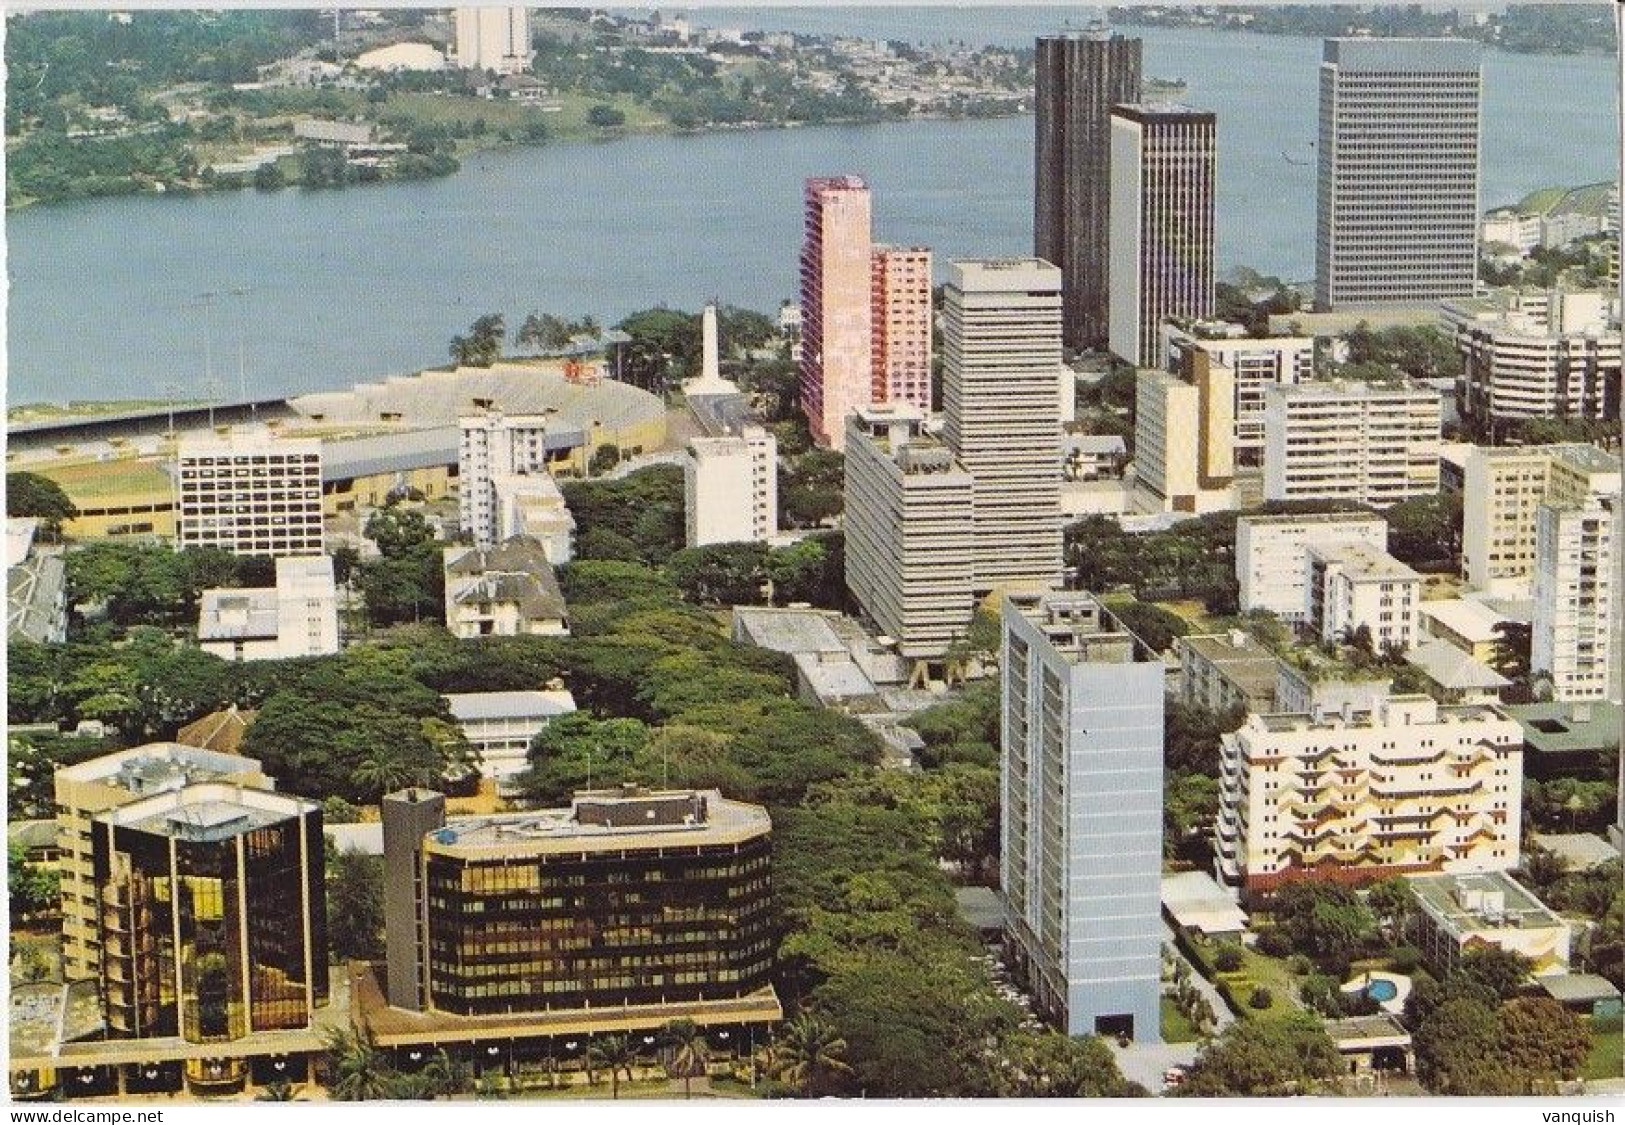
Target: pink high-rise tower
[(901, 352), (836, 306)]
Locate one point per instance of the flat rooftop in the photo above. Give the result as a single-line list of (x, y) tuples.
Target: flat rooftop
[(1567, 727), (790, 631), (1458, 902), (635, 820), (158, 766), (237, 615), (1293, 519), (1239, 657), (1079, 626), (1004, 275), (210, 812), (485, 705), (1420, 709)]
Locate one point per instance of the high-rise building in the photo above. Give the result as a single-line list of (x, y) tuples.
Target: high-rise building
[(1080, 76), (910, 548), (1546, 354), (299, 616), (1002, 414), (1397, 214), (837, 305), (1370, 443), (1575, 631), (1081, 814), (1502, 491), (493, 448), (1164, 175), (901, 315), (249, 493), (1253, 365), (1184, 441), (213, 919), (1271, 558), (1353, 586), (496, 39), (674, 888), (1388, 786), (731, 488), (88, 789)]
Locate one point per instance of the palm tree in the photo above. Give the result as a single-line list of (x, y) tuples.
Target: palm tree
[(811, 1054), (448, 1077), (690, 1053), (279, 1091), (358, 1072), (383, 769), (614, 1053)]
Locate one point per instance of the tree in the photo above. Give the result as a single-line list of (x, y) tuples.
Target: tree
[(812, 488), (1152, 624), (1050, 1065), (31, 495), (811, 1056), (1424, 532), (1324, 921), (604, 458), (482, 346), (605, 116), (688, 1053), (1456, 1047), (397, 531), (269, 177), (355, 906), (1511, 652), (1501, 972), (615, 1054), (1542, 1041), (726, 574), (357, 1070), (33, 890), (1264, 1058)]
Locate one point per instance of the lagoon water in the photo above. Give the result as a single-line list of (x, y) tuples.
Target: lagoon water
[(351, 284)]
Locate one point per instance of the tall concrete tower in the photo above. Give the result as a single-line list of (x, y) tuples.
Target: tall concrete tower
[(836, 305)]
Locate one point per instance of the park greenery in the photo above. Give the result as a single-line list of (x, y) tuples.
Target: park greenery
[(29, 495)]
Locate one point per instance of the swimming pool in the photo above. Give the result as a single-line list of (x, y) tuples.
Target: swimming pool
[(1382, 991)]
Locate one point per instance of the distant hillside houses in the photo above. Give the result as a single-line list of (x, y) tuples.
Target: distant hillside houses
[(1554, 217)]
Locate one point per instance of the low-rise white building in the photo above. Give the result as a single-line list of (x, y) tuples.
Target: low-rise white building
[(1549, 354), (506, 591), (1353, 587), (1271, 555), (731, 488), (533, 505), (1461, 912), (1371, 443), (501, 725), (299, 616)]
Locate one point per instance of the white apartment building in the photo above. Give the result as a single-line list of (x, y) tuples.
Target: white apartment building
[(250, 493), (910, 544), (1502, 492), (500, 726), (731, 488), (1351, 585), (1184, 443), (1002, 419), (82, 791), (299, 616), (1553, 354), (1400, 785), (1575, 634), (1340, 440), (1250, 365), (493, 447), (495, 39), (1271, 555), (533, 506)]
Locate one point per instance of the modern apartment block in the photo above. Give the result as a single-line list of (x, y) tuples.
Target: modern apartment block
[(1397, 205), (900, 280), (212, 923), (1251, 365), (1080, 77), (84, 791), (1164, 175), (1575, 632), (533, 505), (249, 493), (299, 616), (1227, 671), (1184, 441), (493, 450), (837, 305), (1502, 492), (1459, 913), (1398, 785), (495, 39), (910, 539), (731, 488), (1271, 555), (1371, 443), (1544, 354), (1353, 586), (1002, 417), (673, 886), (1081, 814)]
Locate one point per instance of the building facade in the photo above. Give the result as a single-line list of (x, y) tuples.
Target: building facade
[(495, 39), (1364, 442), (1164, 174), (493, 449), (1550, 354), (1252, 365), (299, 616), (1227, 672), (902, 318), (1397, 198), (731, 488), (249, 493), (501, 725), (1080, 77), (507, 591), (1460, 913), (1352, 586), (837, 305), (1501, 496), (1575, 631), (1271, 553), (1184, 451), (1002, 415), (1397, 786), (1081, 731)]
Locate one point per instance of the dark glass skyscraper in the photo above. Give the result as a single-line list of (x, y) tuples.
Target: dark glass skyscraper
[(1081, 75)]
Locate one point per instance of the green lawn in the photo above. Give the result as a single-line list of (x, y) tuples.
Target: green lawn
[(1273, 974), (1607, 1053), (568, 123), (1175, 1027)]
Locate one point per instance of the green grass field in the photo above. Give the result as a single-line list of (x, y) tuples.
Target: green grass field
[(1607, 1058), (1175, 1027)]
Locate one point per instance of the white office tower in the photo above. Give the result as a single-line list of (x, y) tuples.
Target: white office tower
[(1501, 492), (250, 493), (710, 380), (1371, 443), (1575, 633), (495, 39), (1081, 735), (1397, 216), (910, 550), (1352, 586), (1001, 398), (492, 448), (1272, 555), (731, 488), (1252, 367), (1184, 442)]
